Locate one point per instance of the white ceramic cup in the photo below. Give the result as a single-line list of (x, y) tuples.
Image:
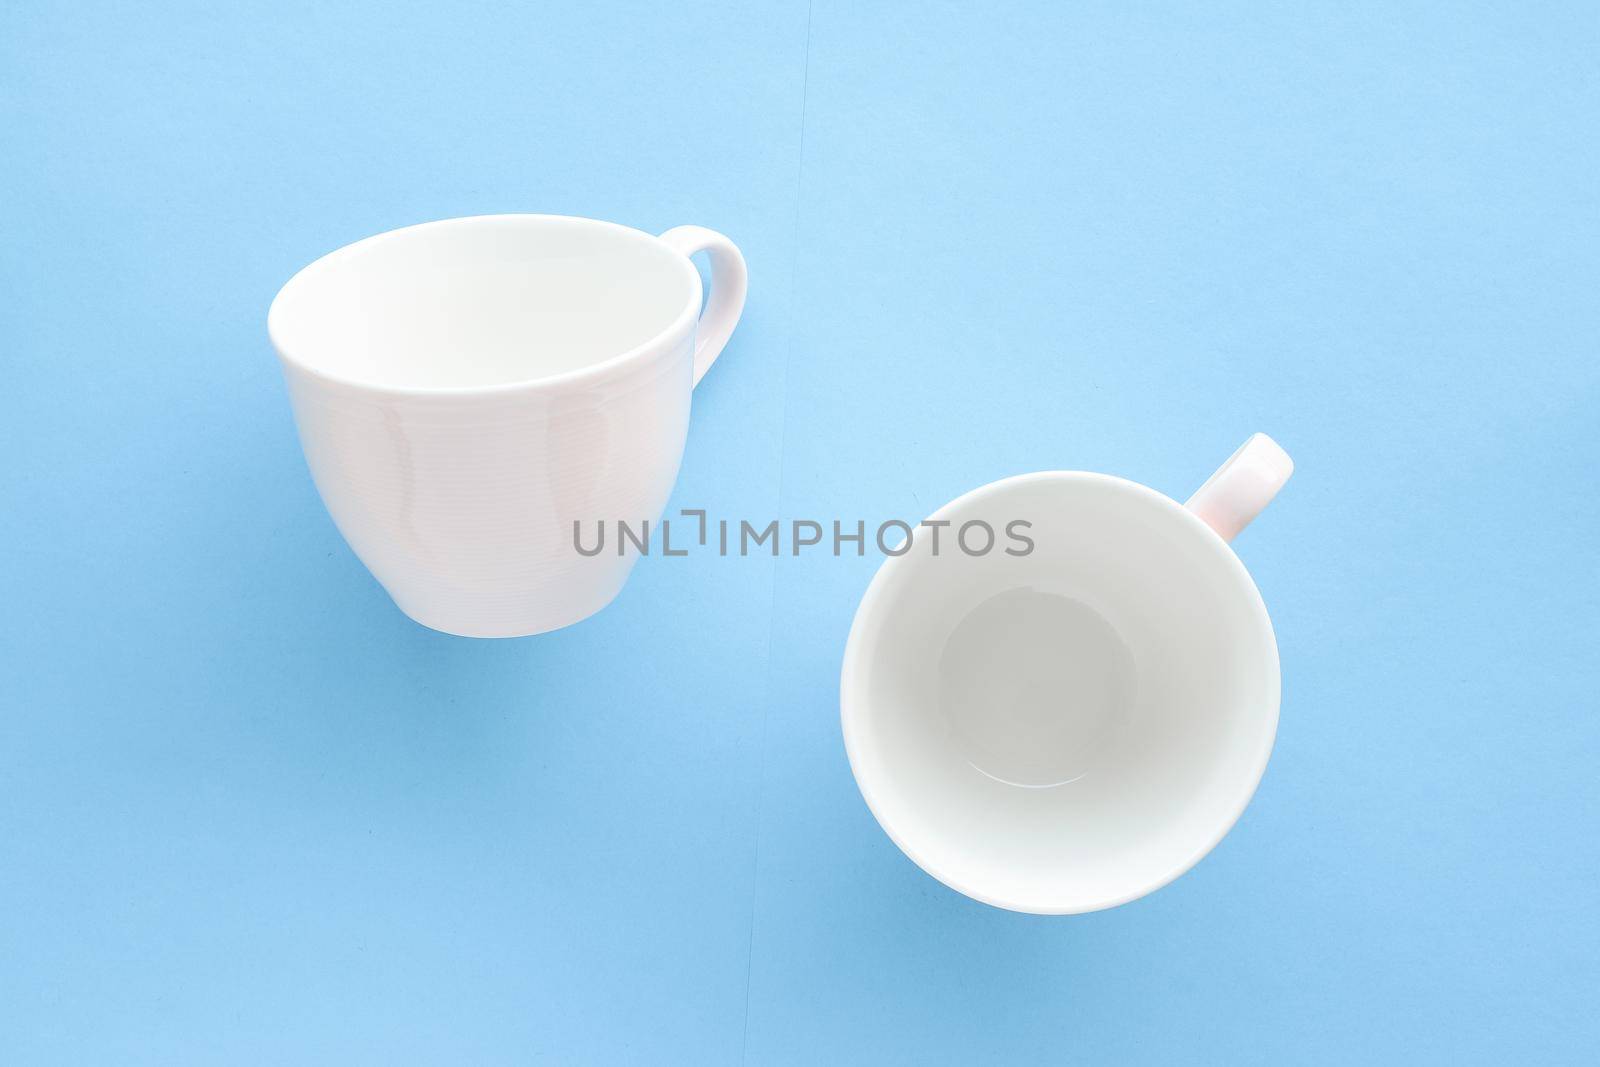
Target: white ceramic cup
[(466, 390), (1069, 729)]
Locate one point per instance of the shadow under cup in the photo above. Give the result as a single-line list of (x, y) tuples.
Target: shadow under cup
[(1068, 729)]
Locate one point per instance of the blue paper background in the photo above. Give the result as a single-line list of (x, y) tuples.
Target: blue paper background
[(251, 814)]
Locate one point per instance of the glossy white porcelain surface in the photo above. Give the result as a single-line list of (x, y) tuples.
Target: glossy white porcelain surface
[(466, 390), (1071, 729)]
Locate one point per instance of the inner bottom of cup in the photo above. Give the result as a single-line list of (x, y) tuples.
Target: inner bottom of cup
[(1032, 685), (1066, 730)]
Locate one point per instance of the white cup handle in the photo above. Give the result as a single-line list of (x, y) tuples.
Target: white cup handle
[(1242, 486), (729, 281)]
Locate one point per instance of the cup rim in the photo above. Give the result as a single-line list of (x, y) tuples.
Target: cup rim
[(609, 368), (854, 672)]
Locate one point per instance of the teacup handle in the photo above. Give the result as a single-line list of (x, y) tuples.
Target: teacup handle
[(1242, 486), (729, 281)]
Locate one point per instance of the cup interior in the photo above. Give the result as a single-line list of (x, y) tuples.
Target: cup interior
[(1071, 728), (485, 301)]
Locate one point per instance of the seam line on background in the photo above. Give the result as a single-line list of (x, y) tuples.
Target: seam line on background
[(772, 604)]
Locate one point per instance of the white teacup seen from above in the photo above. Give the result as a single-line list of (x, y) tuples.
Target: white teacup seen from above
[(467, 390), (1068, 728)]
